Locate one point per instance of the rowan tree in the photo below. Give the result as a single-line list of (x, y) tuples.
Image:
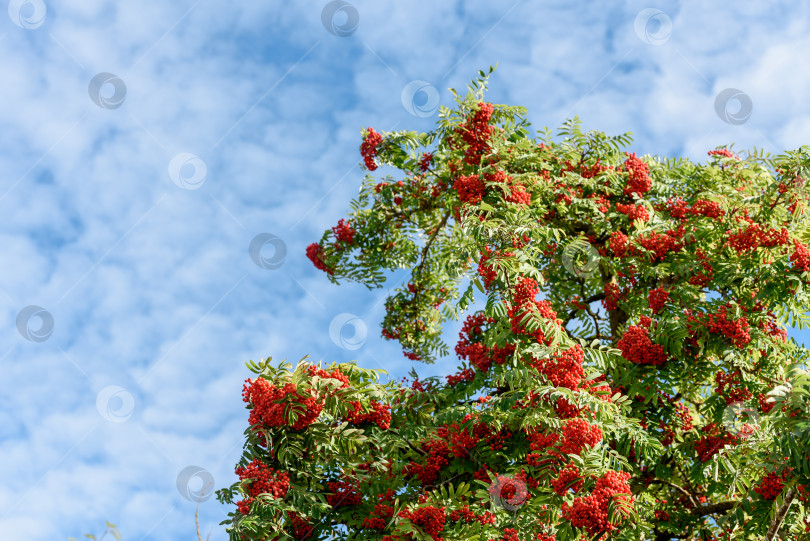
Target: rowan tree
[(629, 375)]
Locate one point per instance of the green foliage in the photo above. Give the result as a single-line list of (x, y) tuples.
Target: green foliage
[(665, 286)]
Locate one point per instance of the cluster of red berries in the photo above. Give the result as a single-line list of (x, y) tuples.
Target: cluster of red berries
[(382, 513), (465, 375), (636, 346), (272, 405), (563, 368), (638, 181), (466, 515), (730, 387), (343, 233), (754, 236), (475, 132), (569, 478), (591, 512), (713, 439), (710, 209), (380, 414), (577, 434), (429, 518), (634, 212), (771, 485), (263, 480), (425, 161), (470, 189), (523, 301), (800, 256), (471, 349), (736, 330), (343, 493), (660, 244), (657, 298), (723, 152), (315, 254), (369, 148), (508, 491), (618, 244), (702, 278)]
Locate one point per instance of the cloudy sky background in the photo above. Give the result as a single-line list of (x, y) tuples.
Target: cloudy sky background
[(143, 263)]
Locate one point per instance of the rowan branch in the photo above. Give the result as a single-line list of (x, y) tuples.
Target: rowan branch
[(779, 516)]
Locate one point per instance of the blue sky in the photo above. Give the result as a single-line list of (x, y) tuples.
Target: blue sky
[(146, 144)]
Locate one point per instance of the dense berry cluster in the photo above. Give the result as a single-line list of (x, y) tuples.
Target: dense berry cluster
[(272, 405), (638, 180), (429, 518), (470, 189), (634, 212), (800, 256), (729, 386), (771, 485), (344, 233), (723, 152), (659, 244), (508, 491), (569, 478), (475, 133), (563, 368), (369, 148), (315, 254), (657, 299), (714, 438), (263, 480), (591, 512), (754, 236), (577, 434), (637, 347), (735, 330), (524, 302), (425, 161), (343, 493), (380, 414)]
